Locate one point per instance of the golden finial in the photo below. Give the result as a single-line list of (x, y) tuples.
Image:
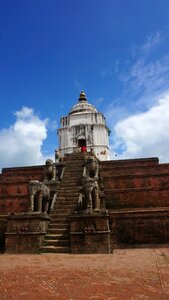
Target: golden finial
[(82, 96)]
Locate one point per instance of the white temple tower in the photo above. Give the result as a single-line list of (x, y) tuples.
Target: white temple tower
[(84, 126)]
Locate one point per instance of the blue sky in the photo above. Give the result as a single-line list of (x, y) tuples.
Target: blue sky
[(117, 51)]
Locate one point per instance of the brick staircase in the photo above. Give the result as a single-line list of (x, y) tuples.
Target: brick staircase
[(57, 239)]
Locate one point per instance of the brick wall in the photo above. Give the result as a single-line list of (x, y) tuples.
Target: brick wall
[(137, 227), (14, 182), (137, 197), (135, 183)]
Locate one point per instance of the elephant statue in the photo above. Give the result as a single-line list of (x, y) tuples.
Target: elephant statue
[(39, 196), (90, 190)]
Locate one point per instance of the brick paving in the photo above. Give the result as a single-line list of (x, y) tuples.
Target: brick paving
[(125, 274)]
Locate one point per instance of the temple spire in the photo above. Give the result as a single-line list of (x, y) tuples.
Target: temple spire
[(82, 96)]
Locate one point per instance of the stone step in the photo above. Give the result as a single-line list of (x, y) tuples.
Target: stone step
[(60, 197), (69, 209), (57, 243), (61, 231), (55, 249), (57, 209), (69, 200), (65, 204), (70, 184), (66, 192), (73, 174), (74, 166), (71, 179), (76, 160), (59, 219), (71, 196), (62, 213), (59, 226), (64, 210), (74, 183), (74, 171), (69, 192), (57, 237), (72, 199), (66, 198)]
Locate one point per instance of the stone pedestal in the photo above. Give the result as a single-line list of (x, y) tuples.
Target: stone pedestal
[(90, 233), (25, 232)]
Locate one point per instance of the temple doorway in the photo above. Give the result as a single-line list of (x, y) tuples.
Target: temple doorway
[(81, 143)]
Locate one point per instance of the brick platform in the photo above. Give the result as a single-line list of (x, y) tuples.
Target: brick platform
[(136, 194), (125, 274)]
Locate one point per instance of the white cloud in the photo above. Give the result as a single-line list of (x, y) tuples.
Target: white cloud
[(145, 134), (145, 75), (139, 116), (52, 125), (21, 143), (151, 41), (141, 79)]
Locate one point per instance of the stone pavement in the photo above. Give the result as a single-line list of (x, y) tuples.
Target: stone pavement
[(125, 274)]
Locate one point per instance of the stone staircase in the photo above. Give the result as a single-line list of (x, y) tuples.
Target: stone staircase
[(57, 239)]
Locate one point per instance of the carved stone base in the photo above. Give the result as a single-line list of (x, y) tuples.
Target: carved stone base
[(25, 232), (90, 233)]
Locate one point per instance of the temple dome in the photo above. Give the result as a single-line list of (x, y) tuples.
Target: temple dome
[(83, 106)]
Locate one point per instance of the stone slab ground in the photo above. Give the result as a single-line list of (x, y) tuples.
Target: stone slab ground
[(125, 274)]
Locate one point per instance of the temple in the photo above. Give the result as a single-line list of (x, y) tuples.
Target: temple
[(83, 202), (84, 127)]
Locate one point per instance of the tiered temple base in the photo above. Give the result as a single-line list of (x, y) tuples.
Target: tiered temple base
[(136, 197), (25, 233), (90, 233)]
